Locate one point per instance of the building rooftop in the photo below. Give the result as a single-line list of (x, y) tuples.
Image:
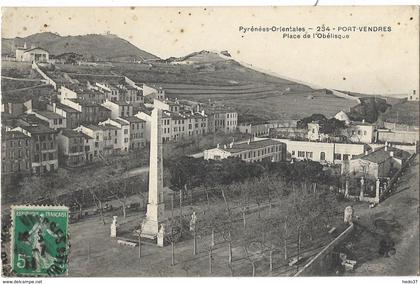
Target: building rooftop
[(121, 103), (382, 154), (120, 121), (361, 123), (134, 119), (30, 49), (87, 136), (94, 127), (48, 114), (240, 147), (66, 108), (37, 129), (71, 133), (108, 127), (8, 135)]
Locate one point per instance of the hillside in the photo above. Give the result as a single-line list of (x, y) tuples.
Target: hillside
[(203, 56), (200, 76), (405, 112), (92, 46)]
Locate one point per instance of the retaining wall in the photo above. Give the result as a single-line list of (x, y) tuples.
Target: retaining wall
[(323, 259)]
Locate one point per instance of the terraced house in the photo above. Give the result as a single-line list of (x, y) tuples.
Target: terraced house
[(91, 113), (44, 146), (71, 115), (137, 132), (71, 148), (54, 120), (221, 118), (15, 153)]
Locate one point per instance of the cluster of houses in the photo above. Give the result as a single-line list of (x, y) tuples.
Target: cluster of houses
[(360, 148), (89, 121)]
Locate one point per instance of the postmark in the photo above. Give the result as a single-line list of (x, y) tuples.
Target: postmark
[(40, 244)]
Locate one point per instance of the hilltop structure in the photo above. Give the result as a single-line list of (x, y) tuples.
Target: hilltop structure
[(32, 54)]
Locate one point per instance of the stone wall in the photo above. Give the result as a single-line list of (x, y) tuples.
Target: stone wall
[(323, 259)]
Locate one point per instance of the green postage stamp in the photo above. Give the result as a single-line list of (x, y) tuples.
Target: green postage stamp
[(40, 240)]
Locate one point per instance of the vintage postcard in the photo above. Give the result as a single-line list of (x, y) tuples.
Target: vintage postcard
[(210, 141)]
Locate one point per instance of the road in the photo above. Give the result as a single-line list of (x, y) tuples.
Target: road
[(138, 171), (400, 222)]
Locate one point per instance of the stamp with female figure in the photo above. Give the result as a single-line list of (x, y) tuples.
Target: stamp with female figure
[(40, 240)]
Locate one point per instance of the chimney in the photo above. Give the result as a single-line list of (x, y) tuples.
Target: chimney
[(231, 145), (366, 152), (224, 146), (218, 145), (24, 45), (391, 153), (363, 121), (386, 148), (249, 141)]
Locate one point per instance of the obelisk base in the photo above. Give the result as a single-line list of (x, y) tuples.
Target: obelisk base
[(154, 218)]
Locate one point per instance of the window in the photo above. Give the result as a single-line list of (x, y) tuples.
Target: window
[(301, 154), (125, 140), (293, 153), (346, 157), (115, 141), (337, 156), (125, 131), (44, 157), (51, 156), (365, 132), (309, 155), (359, 132), (36, 158), (322, 156)]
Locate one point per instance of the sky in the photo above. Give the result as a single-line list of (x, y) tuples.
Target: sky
[(382, 62)]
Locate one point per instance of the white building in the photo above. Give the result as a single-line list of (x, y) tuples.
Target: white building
[(97, 133), (32, 54), (360, 132), (119, 108), (54, 120), (123, 137), (250, 151), (323, 152)]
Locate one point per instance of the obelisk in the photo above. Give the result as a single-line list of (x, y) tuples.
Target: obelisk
[(155, 215)]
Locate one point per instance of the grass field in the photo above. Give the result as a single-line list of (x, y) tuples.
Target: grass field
[(403, 113), (226, 81)]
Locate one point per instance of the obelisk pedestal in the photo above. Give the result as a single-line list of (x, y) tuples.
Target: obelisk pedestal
[(155, 207)]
